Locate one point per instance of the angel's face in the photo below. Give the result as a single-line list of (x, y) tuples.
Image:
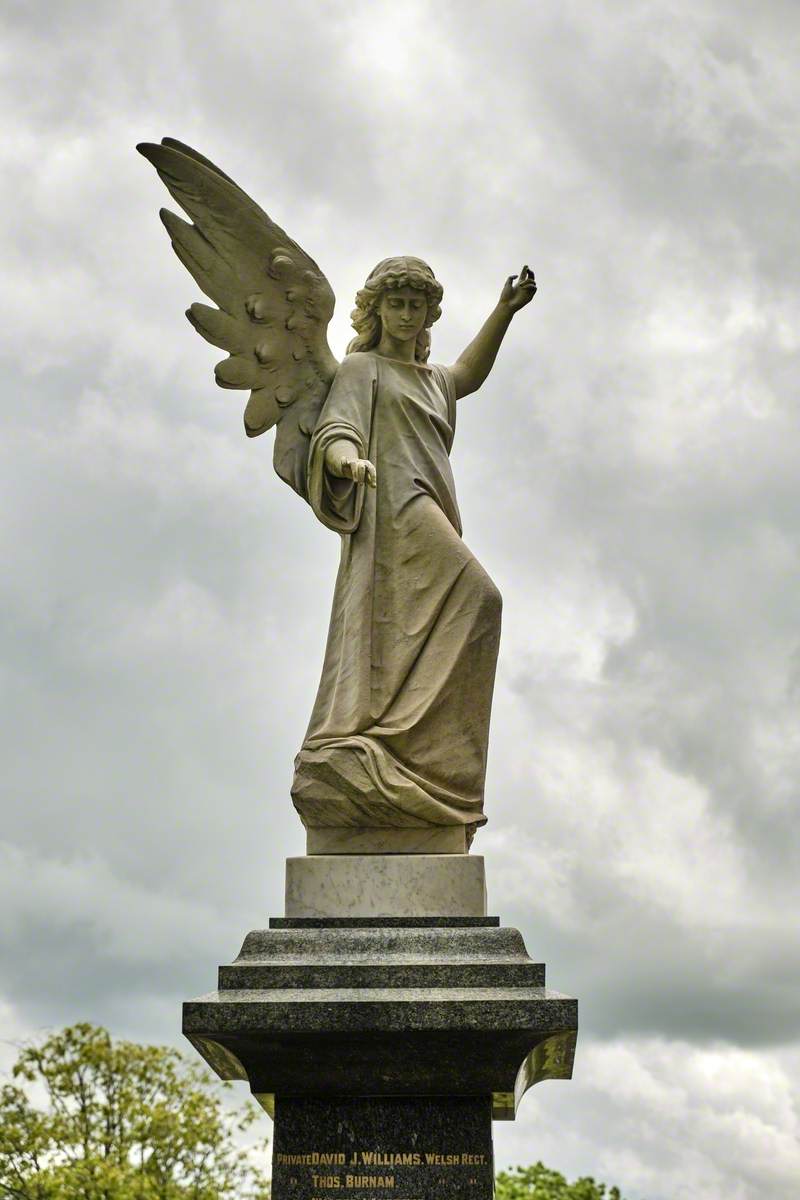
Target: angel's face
[(402, 312)]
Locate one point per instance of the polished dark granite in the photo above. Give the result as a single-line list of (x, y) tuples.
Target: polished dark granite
[(363, 1148), (342, 1010)]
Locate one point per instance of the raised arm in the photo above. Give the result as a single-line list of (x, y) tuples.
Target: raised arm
[(475, 363)]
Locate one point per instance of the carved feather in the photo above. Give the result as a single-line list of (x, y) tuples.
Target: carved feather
[(273, 302), (217, 327)]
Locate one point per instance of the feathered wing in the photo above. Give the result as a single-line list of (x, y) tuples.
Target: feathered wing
[(274, 303)]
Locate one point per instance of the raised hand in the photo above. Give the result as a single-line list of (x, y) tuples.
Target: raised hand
[(515, 296)]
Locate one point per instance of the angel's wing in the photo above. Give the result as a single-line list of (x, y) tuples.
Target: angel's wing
[(274, 302)]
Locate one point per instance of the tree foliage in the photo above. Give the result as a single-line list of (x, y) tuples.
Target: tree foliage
[(540, 1183), (87, 1116)]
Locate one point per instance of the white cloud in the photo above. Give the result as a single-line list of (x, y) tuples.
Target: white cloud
[(675, 1121), (629, 477)]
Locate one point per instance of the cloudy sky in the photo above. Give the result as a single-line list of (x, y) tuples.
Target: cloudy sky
[(629, 477)]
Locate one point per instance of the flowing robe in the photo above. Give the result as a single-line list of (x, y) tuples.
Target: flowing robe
[(399, 730)]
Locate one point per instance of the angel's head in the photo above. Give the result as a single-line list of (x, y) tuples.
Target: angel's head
[(412, 281)]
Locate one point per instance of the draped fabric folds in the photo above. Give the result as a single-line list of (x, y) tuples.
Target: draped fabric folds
[(399, 730)]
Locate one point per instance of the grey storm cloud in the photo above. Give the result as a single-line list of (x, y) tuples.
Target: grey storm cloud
[(628, 476)]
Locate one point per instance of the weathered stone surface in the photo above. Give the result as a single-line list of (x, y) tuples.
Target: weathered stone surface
[(428, 839), (406, 1148), (361, 1010), (413, 885), (398, 734)]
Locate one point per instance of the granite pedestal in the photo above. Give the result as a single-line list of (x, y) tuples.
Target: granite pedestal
[(384, 1045)]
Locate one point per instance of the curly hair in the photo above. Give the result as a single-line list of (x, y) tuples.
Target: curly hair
[(394, 273)]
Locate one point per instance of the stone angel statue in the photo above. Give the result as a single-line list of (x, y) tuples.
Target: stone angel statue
[(394, 758)]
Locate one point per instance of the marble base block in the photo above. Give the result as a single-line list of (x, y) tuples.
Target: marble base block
[(391, 885)]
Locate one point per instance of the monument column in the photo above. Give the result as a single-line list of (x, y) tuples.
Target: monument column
[(385, 1019)]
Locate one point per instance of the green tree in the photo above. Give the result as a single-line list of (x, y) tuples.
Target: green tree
[(540, 1183), (87, 1116)]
